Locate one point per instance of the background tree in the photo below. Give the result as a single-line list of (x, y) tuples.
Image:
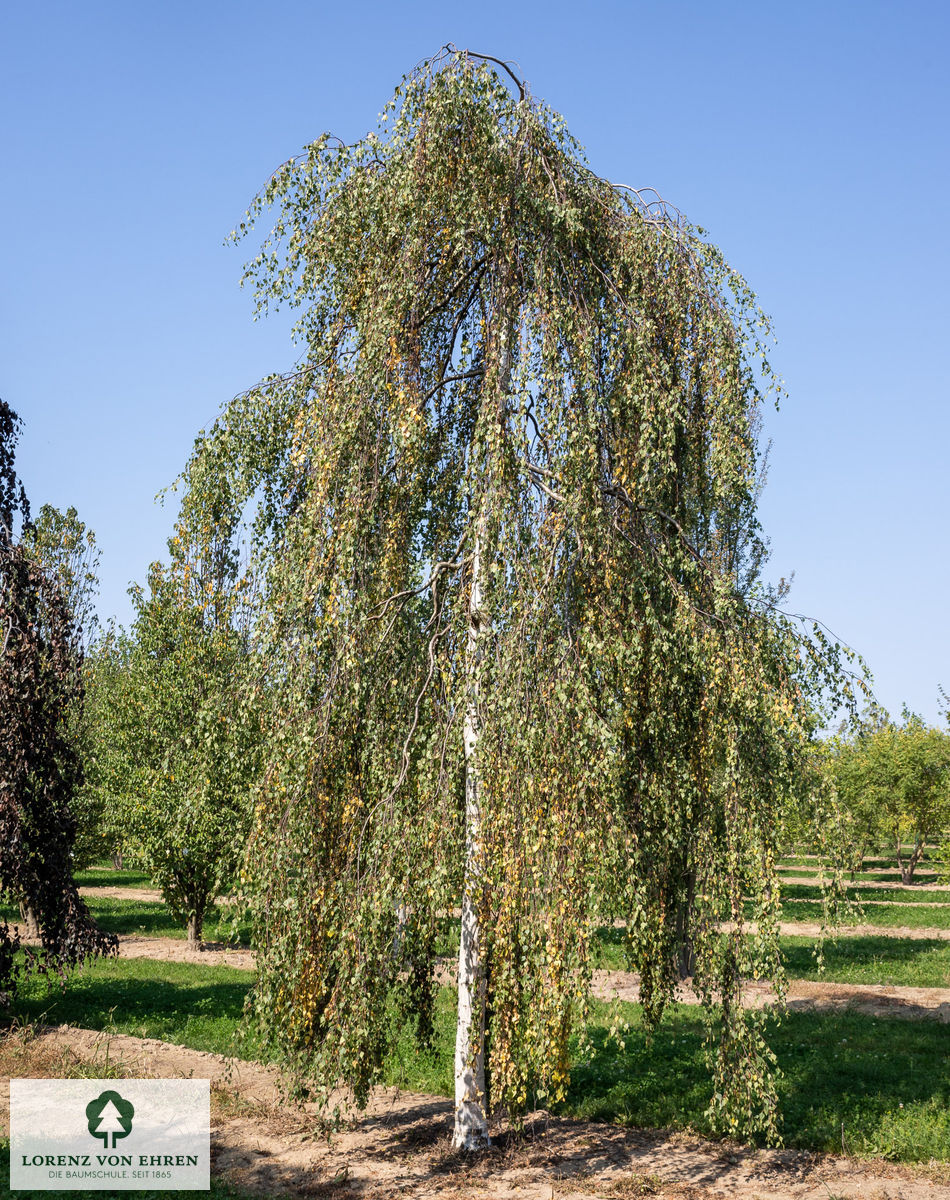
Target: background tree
[(40, 685), (183, 745), (895, 781), (108, 726), (66, 547), (516, 657)]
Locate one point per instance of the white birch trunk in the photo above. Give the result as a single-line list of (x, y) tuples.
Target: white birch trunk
[(471, 1125)]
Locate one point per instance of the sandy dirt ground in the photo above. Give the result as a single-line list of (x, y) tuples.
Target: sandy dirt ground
[(121, 893), (813, 929), (401, 1145), (884, 903)]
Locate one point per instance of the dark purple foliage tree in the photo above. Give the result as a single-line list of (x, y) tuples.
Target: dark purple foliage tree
[(40, 677)]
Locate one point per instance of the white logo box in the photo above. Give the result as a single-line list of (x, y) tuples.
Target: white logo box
[(110, 1134)]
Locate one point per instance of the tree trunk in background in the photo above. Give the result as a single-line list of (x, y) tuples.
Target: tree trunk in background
[(908, 867), (686, 952), (195, 922), (30, 924)]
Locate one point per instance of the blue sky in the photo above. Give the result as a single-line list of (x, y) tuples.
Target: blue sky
[(809, 139)]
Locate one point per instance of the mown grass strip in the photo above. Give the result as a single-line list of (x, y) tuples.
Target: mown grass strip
[(886, 1081), (918, 962), (921, 962), (892, 875), (110, 877), (886, 916), (902, 962), (151, 918), (189, 1005), (810, 891), (879, 861)]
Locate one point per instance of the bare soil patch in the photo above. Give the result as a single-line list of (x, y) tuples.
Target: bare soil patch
[(884, 903), (400, 1146), (121, 893), (209, 954), (814, 929)]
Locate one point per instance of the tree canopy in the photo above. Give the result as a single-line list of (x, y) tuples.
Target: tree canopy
[(176, 744), (515, 651), (894, 780)]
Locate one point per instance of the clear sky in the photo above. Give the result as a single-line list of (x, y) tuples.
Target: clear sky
[(808, 138)]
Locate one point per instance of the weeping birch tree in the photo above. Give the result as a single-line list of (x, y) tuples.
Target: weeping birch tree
[(515, 654)]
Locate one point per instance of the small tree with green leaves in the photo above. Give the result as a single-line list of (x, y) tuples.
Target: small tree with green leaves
[(65, 546), (184, 744), (109, 740), (894, 780), (517, 660)]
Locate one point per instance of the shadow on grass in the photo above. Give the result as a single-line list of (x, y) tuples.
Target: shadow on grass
[(920, 962), (110, 877), (198, 1007), (865, 959), (888, 1082), (898, 895)]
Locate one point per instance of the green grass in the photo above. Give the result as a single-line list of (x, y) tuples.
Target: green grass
[(904, 962), (871, 862), (152, 919), (811, 891), (219, 1190), (189, 1005), (891, 875), (887, 1080), (887, 916), (923, 962), (108, 876)]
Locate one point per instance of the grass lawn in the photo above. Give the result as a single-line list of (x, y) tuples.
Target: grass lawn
[(887, 916), (151, 918), (194, 1006), (811, 891), (108, 876), (888, 875), (924, 962), (887, 1080)]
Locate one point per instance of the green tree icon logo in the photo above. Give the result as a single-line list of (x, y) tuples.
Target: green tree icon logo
[(109, 1114)]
